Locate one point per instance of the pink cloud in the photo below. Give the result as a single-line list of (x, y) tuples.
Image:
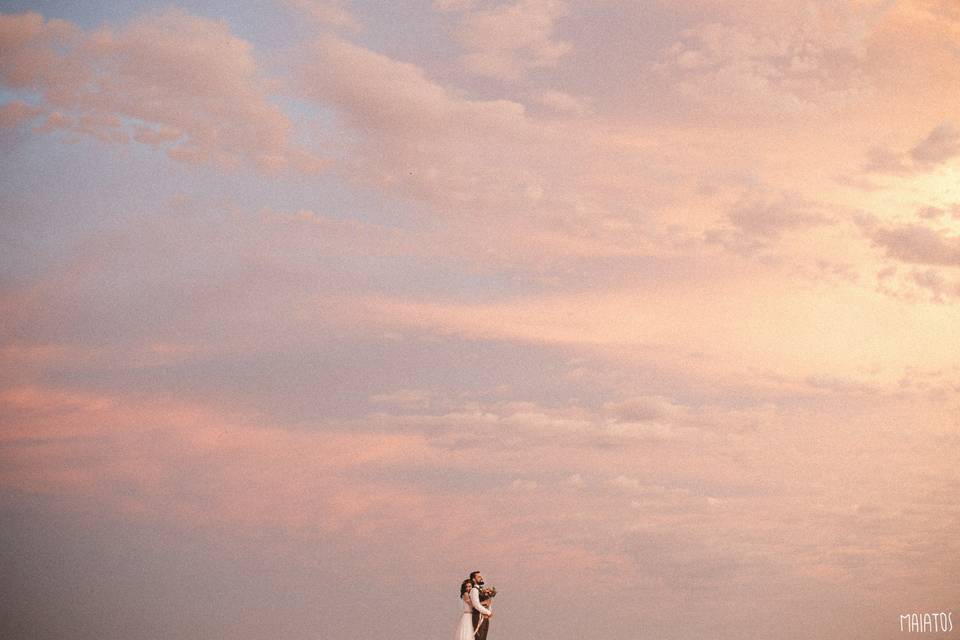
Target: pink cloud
[(16, 112), (108, 440), (930, 213), (783, 59), (234, 476), (466, 156), (508, 40), (942, 144), (34, 58), (503, 183), (758, 222), (917, 244), (170, 72), (882, 160), (933, 281), (384, 94)]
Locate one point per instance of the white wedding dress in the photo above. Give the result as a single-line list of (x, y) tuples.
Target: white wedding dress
[(465, 628)]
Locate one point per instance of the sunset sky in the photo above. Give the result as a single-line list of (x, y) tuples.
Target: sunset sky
[(649, 309)]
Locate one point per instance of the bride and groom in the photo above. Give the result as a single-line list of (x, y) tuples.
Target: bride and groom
[(475, 620)]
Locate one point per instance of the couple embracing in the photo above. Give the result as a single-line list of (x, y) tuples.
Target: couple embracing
[(476, 598)]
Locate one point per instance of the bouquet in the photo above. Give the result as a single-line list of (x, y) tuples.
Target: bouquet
[(487, 593)]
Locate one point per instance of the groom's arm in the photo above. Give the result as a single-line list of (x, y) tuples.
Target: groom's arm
[(475, 601)]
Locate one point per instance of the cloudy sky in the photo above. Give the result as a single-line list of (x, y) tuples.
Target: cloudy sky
[(647, 308)]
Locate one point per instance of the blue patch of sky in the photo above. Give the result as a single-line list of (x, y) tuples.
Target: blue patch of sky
[(56, 192), (86, 14), (409, 30), (254, 20), (8, 94), (408, 27), (313, 125)]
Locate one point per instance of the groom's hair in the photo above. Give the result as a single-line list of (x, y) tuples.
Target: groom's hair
[(473, 575)]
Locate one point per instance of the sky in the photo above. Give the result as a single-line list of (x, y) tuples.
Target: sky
[(648, 309)]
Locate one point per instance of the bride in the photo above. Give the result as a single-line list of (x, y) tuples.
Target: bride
[(465, 630)]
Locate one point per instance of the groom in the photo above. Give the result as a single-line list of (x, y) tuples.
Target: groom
[(481, 613)]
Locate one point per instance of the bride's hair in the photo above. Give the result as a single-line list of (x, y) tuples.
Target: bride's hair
[(464, 587)]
